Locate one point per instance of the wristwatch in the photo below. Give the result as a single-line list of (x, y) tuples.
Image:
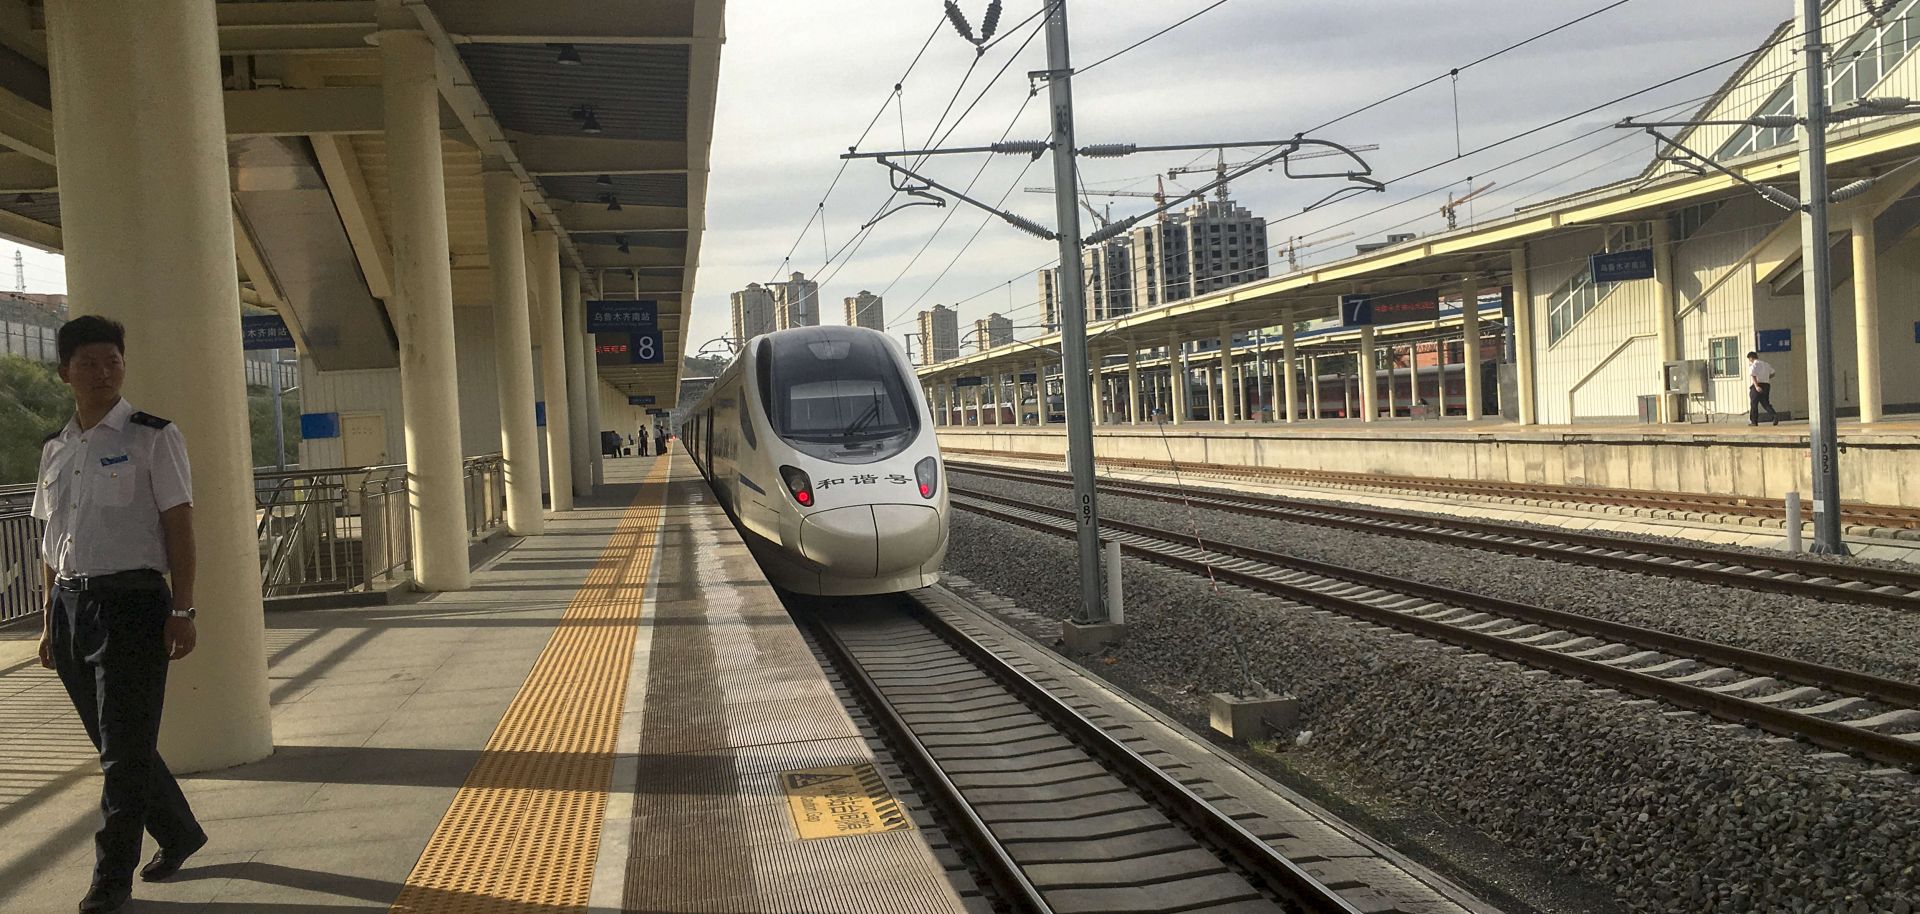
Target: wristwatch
[(187, 613)]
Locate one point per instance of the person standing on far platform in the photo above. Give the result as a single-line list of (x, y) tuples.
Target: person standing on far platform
[(643, 442), (660, 440), (1759, 389), (116, 494)]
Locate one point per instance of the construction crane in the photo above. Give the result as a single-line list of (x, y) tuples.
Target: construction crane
[(1451, 207), (1221, 165), (1293, 247), (1159, 197)]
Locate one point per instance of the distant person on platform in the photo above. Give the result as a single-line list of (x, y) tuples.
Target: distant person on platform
[(116, 494), (660, 440), (643, 442), (1759, 389)]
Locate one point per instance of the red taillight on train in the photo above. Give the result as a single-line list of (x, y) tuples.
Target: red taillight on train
[(798, 485), (927, 473)]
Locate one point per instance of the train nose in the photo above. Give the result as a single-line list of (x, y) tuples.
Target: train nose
[(870, 540)]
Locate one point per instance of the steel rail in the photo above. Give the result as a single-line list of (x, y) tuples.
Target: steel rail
[(995, 859), (1829, 734), (1266, 865), (1513, 539), (1892, 515)]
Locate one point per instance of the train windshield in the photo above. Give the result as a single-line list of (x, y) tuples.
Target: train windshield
[(836, 396)]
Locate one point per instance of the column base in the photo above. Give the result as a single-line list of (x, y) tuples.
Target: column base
[(1090, 638), (1247, 719)]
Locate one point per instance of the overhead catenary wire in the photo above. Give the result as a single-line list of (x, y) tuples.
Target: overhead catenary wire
[(1082, 71)]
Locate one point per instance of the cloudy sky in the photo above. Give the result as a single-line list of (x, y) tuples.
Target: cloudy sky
[(800, 82)]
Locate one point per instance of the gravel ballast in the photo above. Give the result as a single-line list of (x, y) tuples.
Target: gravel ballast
[(1880, 640), (1672, 812)]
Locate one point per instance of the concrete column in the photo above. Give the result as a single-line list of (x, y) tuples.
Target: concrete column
[(1866, 313), (595, 459), (1042, 415), (147, 218), (1289, 358), (1178, 387), (1313, 386), (1225, 415), (513, 354), (582, 439), (1133, 384), (1470, 350), (1522, 284), (423, 291), (1369, 393), (1392, 394), (551, 330), (1666, 331)]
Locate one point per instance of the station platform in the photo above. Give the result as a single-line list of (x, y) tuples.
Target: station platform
[(618, 716), (1879, 463)]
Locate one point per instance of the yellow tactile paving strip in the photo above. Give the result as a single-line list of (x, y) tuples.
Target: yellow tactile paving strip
[(522, 834)]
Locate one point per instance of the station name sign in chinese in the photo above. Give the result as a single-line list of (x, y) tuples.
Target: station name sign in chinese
[(1372, 310), (265, 331), (627, 332), (1621, 266)]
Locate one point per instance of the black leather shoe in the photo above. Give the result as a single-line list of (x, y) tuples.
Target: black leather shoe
[(168, 862), (104, 900)]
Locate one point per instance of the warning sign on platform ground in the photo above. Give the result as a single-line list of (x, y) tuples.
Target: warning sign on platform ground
[(841, 800)]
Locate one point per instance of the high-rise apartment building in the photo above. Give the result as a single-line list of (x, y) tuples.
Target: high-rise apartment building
[(939, 335), (796, 302), (752, 312), (992, 330), (1050, 299), (1226, 244), (864, 310)]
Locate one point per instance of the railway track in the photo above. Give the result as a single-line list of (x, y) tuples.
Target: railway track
[(1867, 716), (1771, 573), (1897, 516), (1063, 811)]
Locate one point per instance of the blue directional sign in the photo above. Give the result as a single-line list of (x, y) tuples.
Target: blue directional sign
[(647, 400), (1028, 377), (319, 425), (1621, 266), (1774, 340), (618, 316), (265, 331), (969, 382), (1356, 310)]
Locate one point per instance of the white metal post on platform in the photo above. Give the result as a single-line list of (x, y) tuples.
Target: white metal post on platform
[(1666, 330), (513, 354), (544, 258), (1133, 383), (1178, 384), (1225, 415), (147, 220), (423, 292), (1289, 356)]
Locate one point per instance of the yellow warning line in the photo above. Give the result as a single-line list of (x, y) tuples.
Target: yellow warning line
[(523, 832)]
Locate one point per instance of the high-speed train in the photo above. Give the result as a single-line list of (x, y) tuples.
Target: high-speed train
[(819, 442)]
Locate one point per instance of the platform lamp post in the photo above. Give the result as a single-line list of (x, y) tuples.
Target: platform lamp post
[(279, 418)]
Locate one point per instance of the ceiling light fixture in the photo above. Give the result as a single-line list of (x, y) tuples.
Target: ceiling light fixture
[(23, 199), (620, 244), (603, 181), (588, 123), (613, 202), (569, 56)]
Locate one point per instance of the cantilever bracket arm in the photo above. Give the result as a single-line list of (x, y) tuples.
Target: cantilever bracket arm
[(1773, 195), (1017, 221)]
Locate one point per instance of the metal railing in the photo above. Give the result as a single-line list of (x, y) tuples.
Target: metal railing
[(319, 530)]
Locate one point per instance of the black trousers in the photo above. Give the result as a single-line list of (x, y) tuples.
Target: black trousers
[(1759, 395), (109, 647)]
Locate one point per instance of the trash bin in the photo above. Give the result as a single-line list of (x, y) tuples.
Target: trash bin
[(1649, 408)]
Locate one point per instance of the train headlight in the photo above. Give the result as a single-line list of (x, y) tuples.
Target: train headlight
[(927, 473), (798, 485)]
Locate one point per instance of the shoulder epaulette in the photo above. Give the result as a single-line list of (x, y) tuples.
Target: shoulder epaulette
[(50, 436), (150, 421)]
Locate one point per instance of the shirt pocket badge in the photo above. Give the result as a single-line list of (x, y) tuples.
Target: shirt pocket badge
[(113, 484)]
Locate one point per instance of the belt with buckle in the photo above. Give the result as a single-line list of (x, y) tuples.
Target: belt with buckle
[(137, 579)]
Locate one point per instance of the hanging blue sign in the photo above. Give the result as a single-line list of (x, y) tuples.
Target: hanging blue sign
[(265, 331), (647, 400), (617, 316), (969, 382), (1028, 377), (1356, 310), (319, 425), (1774, 340), (1621, 266)]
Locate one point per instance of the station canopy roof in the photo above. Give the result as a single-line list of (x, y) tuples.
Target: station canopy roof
[(603, 111)]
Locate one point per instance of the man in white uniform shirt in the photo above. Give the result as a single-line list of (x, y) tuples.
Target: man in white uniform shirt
[(1759, 389), (116, 494)]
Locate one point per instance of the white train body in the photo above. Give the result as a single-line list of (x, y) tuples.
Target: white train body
[(819, 443)]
